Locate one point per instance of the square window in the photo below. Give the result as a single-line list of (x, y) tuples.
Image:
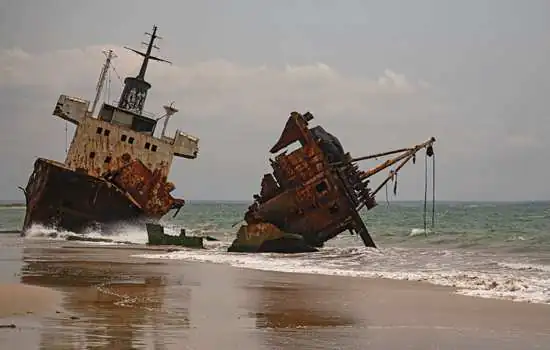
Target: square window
[(123, 138), (99, 130), (108, 159), (92, 155), (154, 148), (147, 145), (321, 187), (107, 132), (131, 140)]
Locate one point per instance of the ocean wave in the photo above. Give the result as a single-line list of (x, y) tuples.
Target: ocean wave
[(125, 234), (432, 267), (472, 272), (526, 267), (419, 232)]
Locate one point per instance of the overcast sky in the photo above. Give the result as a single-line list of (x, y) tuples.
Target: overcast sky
[(475, 74)]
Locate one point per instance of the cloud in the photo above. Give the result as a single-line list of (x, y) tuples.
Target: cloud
[(67, 66), (238, 112), (218, 87), (230, 106), (480, 91)]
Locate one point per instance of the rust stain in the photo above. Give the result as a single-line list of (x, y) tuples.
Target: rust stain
[(148, 188), (314, 191), (119, 155), (115, 168), (100, 147)]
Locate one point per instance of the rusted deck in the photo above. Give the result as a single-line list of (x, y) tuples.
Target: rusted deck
[(315, 191)]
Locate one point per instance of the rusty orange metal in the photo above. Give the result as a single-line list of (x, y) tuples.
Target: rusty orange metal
[(147, 188), (315, 191), (115, 169)]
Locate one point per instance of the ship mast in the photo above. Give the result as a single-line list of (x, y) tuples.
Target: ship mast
[(135, 88), (99, 87)]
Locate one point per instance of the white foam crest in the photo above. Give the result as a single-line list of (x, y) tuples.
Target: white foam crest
[(383, 264), (101, 243), (419, 232), (477, 275), (40, 231), (123, 233), (525, 267)]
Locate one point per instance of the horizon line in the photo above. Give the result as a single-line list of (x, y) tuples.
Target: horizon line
[(4, 202)]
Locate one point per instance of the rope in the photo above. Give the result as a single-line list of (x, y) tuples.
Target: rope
[(433, 191), (425, 191), (108, 86), (387, 198), (117, 75), (66, 140)]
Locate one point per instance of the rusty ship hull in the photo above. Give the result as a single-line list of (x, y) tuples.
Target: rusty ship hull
[(116, 169), (58, 197), (314, 193), (61, 198), (304, 195)]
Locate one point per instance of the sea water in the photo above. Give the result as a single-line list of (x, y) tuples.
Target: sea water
[(493, 250)]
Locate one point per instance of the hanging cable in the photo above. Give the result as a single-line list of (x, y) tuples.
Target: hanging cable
[(433, 191), (66, 140), (108, 86), (425, 192), (429, 153), (387, 199), (116, 73), (392, 174), (395, 183), (104, 95), (118, 77)]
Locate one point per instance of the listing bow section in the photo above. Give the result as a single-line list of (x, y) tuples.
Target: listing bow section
[(314, 193)]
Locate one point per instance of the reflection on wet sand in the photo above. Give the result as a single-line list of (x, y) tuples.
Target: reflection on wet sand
[(293, 307), (296, 315), (119, 302), (115, 301), (116, 305)]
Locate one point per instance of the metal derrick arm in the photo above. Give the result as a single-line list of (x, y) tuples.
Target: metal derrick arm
[(376, 155), (406, 155)]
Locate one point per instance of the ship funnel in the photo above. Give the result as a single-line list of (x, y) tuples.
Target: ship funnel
[(170, 110)]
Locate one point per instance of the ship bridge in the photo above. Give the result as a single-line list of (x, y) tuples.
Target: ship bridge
[(125, 118), (122, 132)]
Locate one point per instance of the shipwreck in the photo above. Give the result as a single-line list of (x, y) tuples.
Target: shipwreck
[(115, 169), (315, 192)]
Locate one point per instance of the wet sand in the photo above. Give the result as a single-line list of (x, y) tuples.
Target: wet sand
[(21, 299), (110, 300)]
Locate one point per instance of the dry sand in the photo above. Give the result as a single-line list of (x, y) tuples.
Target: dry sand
[(114, 301)]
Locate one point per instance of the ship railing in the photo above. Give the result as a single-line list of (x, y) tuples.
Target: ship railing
[(166, 139), (189, 136), (143, 112), (149, 114), (172, 139)]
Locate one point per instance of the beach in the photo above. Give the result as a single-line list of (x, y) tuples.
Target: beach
[(107, 297)]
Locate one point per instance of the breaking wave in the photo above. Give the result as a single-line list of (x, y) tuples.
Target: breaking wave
[(479, 249), (470, 273)]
